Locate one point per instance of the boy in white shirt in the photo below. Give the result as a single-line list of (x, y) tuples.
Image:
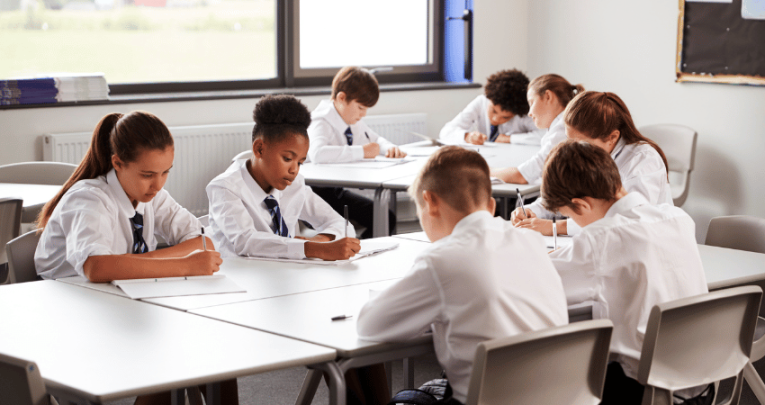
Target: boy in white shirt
[(339, 135), (630, 255), (472, 284), (498, 115)]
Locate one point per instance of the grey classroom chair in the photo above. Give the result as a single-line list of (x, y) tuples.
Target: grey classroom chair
[(698, 340), (561, 365), (21, 382), (679, 145), (52, 173), (21, 257), (743, 232), (10, 227), (242, 155)]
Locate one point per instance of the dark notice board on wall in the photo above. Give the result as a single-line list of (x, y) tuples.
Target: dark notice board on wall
[(717, 44)]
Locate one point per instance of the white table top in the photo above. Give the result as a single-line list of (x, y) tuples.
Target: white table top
[(730, 267), (32, 194), (102, 347), (308, 317), (267, 279), (328, 175)]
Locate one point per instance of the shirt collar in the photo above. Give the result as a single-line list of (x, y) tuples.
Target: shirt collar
[(557, 120), (257, 192), (470, 221), (120, 197), (626, 203), (332, 116), (618, 148)]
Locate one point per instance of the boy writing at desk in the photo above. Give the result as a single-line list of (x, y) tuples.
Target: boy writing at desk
[(473, 283)]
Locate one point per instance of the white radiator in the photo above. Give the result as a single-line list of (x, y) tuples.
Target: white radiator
[(204, 151), (201, 153)]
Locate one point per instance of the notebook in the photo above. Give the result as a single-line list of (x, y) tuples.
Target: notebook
[(369, 247), (178, 286)]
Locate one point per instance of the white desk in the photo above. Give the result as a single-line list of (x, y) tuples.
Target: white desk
[(266, 279), (35, 196), (93, 347), (730, 267)]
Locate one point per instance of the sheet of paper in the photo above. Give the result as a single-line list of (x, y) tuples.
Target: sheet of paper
[(753, 9), (376, 163), (369, 247), (496, 180), (420, 151), (562, 241), (178, 286)]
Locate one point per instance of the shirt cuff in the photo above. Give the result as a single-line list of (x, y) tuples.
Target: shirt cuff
[(296, 248), (531, 174), (358, 152)]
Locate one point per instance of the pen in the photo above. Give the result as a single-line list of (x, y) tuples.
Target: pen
[(555, 235), (204, 240), (345, 211), (520, 199), (367, 135), (341, 317)]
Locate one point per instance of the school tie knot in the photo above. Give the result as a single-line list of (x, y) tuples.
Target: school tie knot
[(494, 132), (139, 244), (277, 221), (349, 136)]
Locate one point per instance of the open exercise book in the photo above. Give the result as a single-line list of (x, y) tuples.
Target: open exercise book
[(177, 286), (369, 247)]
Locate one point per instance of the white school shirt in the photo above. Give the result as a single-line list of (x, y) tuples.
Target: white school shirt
[(642, 171), (93, 219), (635, 257), (240, 221), (328, 141), (469, 287), (475, 118), (532, 168)]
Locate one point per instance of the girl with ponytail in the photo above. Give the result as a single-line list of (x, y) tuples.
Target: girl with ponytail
[(548, 96), (103, 222), (602, 119)]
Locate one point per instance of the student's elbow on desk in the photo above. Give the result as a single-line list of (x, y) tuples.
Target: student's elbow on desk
[(92, 269)]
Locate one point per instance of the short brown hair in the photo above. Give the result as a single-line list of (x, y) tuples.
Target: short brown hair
[(357, 84), (458, 176), (562, 89), (577, 169)]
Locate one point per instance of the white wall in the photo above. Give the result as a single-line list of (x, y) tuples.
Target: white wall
[(20, 129), (628, 47)]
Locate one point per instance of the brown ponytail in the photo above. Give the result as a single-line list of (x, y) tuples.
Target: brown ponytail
[(598, 114), (562, 89), (116, 134)]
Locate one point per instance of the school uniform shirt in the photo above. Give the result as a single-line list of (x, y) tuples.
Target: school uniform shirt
[(241, 223), (93, 219), (641, 169), (475, 118), (637, 256), (532, 168), (469, 287), (328, 141)]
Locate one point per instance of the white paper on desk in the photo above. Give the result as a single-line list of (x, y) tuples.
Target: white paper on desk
[(369, 247), (178, 286), (562, 241), (496, 180), (419, 151), (376, 163)]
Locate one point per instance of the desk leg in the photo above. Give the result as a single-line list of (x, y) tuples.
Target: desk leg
[(380, 209), (213, 394), (178, 397), (389, 377), (408, 372), (310, 384), (336, 382), (755, 382)]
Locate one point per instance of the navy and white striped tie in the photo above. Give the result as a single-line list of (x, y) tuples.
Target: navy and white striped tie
[(139, 244), (494, 133), (349, 136), (278, 225)]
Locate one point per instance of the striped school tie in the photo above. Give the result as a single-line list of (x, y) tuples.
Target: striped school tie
[(278, 225), (494, 133), (139, 244), (349, 136)]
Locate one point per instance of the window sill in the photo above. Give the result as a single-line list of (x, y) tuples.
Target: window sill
[(226, 95)]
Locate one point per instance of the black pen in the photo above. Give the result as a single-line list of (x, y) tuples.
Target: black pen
[(555, 235), (341, 317), (204, 240), (520, 199), (365, 133)]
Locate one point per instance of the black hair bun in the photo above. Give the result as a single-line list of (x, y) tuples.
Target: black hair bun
[(281, 109)]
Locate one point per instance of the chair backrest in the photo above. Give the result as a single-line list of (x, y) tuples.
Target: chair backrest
[(21, 382), (204, 220), (737, 232), (21, 257), (698, 340), (53, 173), (10, 222), (242, 155), (678, 143), (561, 365)]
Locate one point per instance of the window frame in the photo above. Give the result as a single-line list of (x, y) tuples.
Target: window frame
[(288, 73)]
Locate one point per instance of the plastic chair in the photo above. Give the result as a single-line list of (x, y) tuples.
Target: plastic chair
[(53, 173), (243, 155), (698, 340), (561, 365), (21, 382), (679, 145), (10, 227), (744, 233), (21, 257)]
